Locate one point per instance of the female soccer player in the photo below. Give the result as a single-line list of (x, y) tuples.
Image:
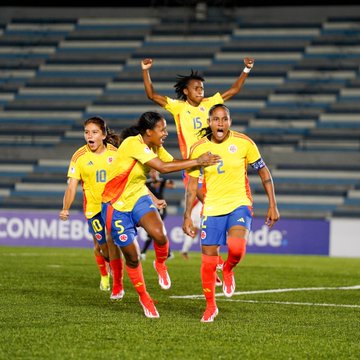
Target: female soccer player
[(227, 210), (90, 165), (127, 203), (190, 111)]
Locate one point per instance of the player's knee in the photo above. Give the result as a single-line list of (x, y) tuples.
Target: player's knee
[(237, 246)]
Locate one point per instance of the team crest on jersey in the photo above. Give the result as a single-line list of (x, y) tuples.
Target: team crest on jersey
[(110, 159), (203, 235), (147, 150), (123, 237), (98, 236), (233, 148)]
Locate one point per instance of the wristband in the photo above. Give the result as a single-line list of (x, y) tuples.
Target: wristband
[(246, 69)]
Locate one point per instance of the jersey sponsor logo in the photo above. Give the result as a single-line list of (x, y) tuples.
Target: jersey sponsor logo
[(98, 236), (241, 220), (123, 237), (232, 148), (90, 163), (203, 234)]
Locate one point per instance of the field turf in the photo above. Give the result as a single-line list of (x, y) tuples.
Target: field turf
[(285, 307)]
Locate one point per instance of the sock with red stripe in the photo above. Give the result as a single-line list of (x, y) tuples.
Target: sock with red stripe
[(161, 252), (208, 275), (137, 278), (101, 265), (117, 273), (236, 252)]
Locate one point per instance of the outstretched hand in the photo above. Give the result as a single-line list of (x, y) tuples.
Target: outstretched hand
[(249, 62), (146, 64), (208, 159)]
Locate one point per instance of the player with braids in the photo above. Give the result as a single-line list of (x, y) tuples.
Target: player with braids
[(128, 204), (190, 111), (227, 212), (90, 165)]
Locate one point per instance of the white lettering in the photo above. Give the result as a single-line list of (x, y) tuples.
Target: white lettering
[(264, 237), (15, 228), (177, 235)]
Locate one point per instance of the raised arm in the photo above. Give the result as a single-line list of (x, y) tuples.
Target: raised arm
[(268, 184), (206, 159), (149, 89), (238, 84), (69, 198), (190, 195)]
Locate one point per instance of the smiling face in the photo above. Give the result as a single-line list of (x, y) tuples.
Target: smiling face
[(94, 137), (219, 122), (157, 135), (194, 92)]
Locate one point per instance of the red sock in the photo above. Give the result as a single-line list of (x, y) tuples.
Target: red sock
[(236, 252), (208, 275), (101, 265), (161, 252), (117, 273), (220, 260), (137, 278)]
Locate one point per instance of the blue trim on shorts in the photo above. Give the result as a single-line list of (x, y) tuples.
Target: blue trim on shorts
[(214, 229), (97, 228)]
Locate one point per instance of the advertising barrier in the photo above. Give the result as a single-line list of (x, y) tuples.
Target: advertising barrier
[(44, 228)]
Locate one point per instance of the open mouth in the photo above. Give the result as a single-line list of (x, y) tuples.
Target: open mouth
[(220, 132)]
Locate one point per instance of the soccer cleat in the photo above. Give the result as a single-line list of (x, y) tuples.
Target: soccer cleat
[(117, 296), (143, 256), (164, 278), (209, 314), (218, 281), (228, 284), (105, 282), (149, 308)]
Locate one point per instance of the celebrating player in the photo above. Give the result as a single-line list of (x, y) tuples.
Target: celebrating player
[(227, 212), (127, 203), (190, 111), (90, 165)]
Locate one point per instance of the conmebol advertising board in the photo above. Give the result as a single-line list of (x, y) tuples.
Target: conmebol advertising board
[(41, 228)]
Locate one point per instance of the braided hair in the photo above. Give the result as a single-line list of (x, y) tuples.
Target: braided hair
[(183, 82)]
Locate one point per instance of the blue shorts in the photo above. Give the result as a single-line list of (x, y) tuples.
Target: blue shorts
[(122, 224), (214, 229), (142, 207), (97, 228)]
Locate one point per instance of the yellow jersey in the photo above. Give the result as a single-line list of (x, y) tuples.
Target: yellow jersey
[(92, 171), (128, 175), (227, 184), (189, 120)]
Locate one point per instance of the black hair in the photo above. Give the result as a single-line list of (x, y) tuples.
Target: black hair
[(111, 136), (207, 131), (183, 82), (147, 120)]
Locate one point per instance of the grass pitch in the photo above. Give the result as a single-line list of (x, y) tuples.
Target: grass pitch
[(285, 307)]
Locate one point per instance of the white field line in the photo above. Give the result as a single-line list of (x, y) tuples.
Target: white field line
[(271, 291), (293, 303)]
